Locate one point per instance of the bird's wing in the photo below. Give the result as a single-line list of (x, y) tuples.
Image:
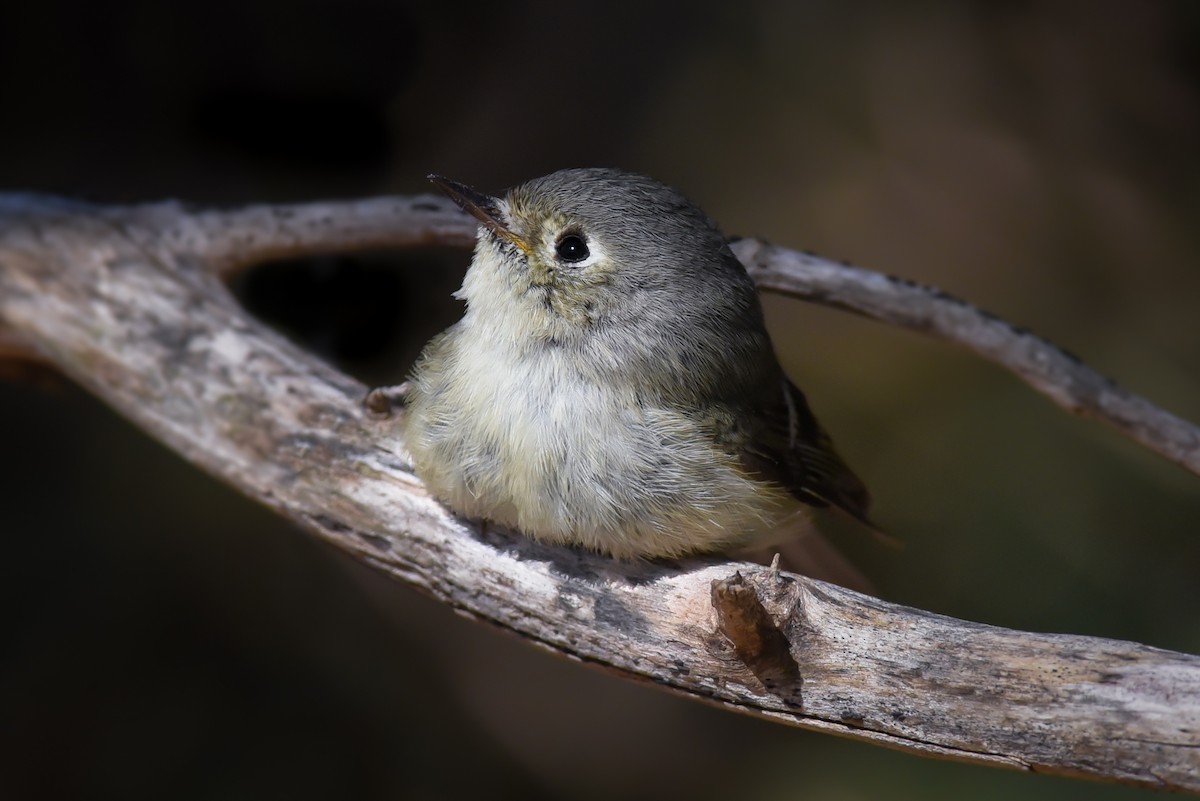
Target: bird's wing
[(789, 446)]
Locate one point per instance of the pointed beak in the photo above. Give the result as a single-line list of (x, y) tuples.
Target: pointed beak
[(484, 208)]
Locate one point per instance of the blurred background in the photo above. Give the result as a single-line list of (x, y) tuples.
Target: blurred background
[(165, 638)]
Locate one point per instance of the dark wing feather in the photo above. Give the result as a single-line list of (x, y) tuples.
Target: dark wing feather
[(789, 446)]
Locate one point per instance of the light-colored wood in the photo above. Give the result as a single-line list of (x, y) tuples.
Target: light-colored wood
[(1050, 370), (128, 302)]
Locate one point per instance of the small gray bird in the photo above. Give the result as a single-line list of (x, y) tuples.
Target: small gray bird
[(611, 384)]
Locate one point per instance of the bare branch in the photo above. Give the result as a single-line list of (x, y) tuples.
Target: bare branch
[(237, 238), (114, 297), (233, 239), (1051, 371)]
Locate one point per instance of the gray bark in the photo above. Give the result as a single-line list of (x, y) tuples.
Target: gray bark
[(129, 302)]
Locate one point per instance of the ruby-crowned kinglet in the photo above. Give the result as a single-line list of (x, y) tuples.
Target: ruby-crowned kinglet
[(611, 384)]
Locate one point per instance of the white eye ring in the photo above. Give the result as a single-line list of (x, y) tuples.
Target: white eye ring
[(575, 242), (572, 248)]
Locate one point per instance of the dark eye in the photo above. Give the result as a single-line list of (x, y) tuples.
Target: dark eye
[(572, 248)]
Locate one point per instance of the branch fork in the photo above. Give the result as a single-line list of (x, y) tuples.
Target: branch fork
[(129, 301)]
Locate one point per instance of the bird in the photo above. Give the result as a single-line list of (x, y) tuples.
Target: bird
[(611, 384)]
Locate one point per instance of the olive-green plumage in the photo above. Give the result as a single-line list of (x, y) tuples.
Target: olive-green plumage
[(611, 384)]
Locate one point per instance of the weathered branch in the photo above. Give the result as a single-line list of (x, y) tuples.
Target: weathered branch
[(1055, 373), (229, 240), (128, 302)]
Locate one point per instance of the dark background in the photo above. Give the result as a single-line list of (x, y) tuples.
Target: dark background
[(162, 637)]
